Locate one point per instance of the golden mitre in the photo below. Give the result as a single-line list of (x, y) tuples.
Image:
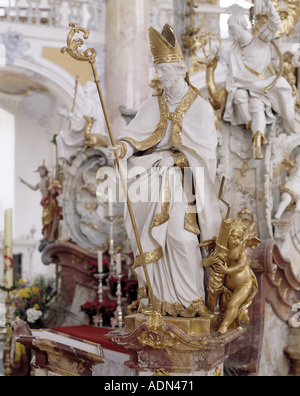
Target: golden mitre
[(164, 47)]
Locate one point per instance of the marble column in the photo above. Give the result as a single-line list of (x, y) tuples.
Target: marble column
[(180, 24), (127, 58), (180, 20)]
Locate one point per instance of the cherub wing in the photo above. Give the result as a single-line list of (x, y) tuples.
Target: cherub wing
[(289, 13), (252, 241)]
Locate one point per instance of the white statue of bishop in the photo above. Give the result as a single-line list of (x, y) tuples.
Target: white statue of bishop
[(172, 132)]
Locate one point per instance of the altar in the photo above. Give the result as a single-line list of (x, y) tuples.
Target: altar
[(115, 355)]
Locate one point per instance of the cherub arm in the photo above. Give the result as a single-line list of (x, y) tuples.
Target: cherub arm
[(240, 265), (212, 260)]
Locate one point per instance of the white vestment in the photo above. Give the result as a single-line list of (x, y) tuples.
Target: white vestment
[(170, 246)]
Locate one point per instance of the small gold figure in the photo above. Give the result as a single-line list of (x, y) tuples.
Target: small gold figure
[(218, 96), (91, 139), (232, 283)]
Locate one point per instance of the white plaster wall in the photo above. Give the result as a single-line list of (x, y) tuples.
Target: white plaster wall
[(32, 147)]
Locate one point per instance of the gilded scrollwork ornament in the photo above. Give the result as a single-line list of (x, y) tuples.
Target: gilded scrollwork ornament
[(158, 336)]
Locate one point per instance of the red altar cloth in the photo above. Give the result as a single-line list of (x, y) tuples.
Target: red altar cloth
[(92, 334)]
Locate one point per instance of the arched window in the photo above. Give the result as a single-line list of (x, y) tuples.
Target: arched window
[(7, 163)]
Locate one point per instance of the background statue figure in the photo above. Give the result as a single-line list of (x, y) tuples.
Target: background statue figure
[(290, 192), (69, 141), (52, 212), (251, 72)]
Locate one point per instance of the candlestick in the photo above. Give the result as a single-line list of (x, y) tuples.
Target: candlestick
[(119, 264), (98, 320), (110, 203), (119, 311), (111, 251), (100, 262), (8, 255)]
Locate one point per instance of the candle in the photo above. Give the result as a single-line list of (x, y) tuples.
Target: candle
[(119, 265), (110, 203), (8, 255), (100, 262)]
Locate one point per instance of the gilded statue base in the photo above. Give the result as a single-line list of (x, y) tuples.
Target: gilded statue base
[(168, 346), (195, 327)]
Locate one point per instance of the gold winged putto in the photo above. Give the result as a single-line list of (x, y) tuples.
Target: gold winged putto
[(232, 283), (289, 11)]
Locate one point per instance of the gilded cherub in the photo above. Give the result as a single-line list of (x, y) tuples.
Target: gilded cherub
[(232, 282)]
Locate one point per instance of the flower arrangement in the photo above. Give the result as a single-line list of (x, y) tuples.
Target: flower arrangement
[(113, 281), (32, 303), (108, 307), (90, 307), (33, 315), (132, 289)]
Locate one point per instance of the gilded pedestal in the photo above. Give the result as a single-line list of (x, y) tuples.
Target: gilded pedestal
[(173, 346)]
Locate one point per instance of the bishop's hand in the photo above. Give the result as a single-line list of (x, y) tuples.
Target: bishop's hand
[(112, 150)]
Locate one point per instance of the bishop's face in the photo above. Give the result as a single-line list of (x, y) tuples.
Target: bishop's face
[(167, 74)]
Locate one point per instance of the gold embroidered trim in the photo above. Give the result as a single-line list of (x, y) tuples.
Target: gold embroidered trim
[(164, 216), (179, 114), (180, 160), (190, 221), (123, 148), (143, 292), (271, 70), (167, 59), (159, 132), (165, 116), (259, 75), (150, 257)]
